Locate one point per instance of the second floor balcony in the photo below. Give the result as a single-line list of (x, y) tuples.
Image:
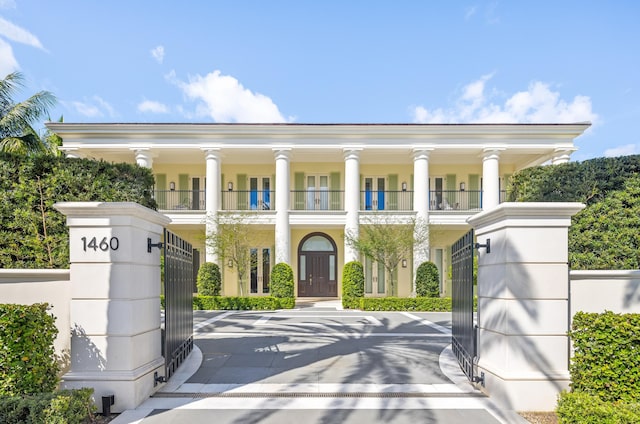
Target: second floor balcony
[(320, 200)]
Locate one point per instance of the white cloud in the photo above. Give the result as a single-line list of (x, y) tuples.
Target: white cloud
[(627, 149), (96, 107), (538, 104), (20, 35), (8, 62), (158, 53), (151, 106), (224, 99)]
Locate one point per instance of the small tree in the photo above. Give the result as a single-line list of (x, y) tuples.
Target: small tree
[(232, 240), (282, 281), (386, 241), (427, 280), (209, 279)]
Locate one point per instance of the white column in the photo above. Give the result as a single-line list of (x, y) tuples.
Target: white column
[(143, 157), (351, 199), (283, 229), (490, 178), (421, 207), (115, 299), (523, 303), (212, 198)]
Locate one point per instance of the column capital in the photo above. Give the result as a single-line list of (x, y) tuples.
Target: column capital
[(351, 152), (282, 152), (492, 152), (422, 152)]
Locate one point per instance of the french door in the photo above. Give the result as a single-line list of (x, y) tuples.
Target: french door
[(259, 193), (374, 193), (317, 192), (260, 270)]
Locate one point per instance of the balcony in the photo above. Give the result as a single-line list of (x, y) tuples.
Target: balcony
[(320, 200)]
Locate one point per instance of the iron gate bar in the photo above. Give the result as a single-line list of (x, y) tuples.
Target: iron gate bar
[(463, 331), (178, 290)]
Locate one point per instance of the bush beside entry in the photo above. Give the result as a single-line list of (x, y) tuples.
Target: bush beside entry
[(282, 281), (209, 279), (427, 280), (352, 284)]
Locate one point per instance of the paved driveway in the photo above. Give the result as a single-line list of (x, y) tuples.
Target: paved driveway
[(319, 365)]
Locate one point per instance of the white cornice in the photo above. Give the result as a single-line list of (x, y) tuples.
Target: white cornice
[(209, 132)]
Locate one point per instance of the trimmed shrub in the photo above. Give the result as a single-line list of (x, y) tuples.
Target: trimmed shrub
[(427, 280), (27, 358), (281, 281), (606, 360), (583, 408), (352, 284), (260, 303), (66, 406), (209, 280), (427, 304)]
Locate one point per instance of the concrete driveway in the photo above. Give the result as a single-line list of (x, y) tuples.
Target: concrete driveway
[(319, 364)]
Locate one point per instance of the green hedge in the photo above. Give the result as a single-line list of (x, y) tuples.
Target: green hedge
[(605, 370), (606, 360), (583, 408), (63, 407), (281, 283), (352, 284), (427, 280), (220, 303), (427, 304), (32, 233), (209, 280), (27, 358)]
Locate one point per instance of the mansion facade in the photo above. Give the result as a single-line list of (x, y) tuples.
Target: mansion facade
[(302, 187)]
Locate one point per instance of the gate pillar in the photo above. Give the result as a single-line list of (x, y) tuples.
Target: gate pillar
[(523, 303), (115, 300)]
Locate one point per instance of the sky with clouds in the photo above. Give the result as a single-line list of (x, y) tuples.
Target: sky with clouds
[(334, 61)]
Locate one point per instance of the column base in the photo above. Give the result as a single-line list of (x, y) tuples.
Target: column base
[(130, 388), (531, 391)]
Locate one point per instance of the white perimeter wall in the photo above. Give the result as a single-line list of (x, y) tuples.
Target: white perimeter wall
[(29, 286), (599, 291)]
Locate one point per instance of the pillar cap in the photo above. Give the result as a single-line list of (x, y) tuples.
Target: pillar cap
[(554, 214), (109, 209)]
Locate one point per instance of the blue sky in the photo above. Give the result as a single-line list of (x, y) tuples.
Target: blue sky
[(306, 61)]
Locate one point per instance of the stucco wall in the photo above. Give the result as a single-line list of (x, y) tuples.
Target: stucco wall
[(29, 286), (599, 291)]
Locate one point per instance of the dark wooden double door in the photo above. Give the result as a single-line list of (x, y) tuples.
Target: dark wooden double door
[(315, 280)]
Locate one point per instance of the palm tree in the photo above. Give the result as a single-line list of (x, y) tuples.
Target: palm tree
[(16, 119)]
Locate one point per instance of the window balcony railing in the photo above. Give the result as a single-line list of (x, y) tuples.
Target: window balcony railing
[(248, 200), (174, 200), (444, 200), (319, 200), (379, 200)]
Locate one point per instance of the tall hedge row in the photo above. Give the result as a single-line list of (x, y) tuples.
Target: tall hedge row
[(32, 233), (605, 234)]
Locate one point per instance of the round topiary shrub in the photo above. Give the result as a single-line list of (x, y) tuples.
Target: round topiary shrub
[(209, 279), (427, 280), (282, 281), (352, 281)]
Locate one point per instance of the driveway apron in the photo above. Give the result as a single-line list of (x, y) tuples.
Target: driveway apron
[(319, 364)]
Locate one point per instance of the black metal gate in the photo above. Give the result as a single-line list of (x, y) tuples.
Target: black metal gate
[(463, 331), (178, 311)]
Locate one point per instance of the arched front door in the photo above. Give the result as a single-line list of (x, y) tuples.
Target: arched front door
[(317, 266)]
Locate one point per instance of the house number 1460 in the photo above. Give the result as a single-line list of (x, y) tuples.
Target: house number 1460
[(105, 244)]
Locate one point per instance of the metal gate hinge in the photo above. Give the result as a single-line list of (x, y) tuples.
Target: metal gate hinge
[(487, 245), (159, 245)]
